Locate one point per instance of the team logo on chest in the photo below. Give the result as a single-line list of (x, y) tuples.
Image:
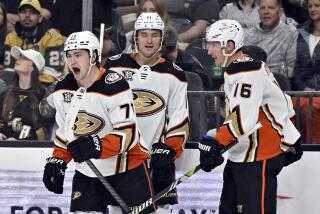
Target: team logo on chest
[(147, 102), (67, 97), (87, 124), (128, 75)]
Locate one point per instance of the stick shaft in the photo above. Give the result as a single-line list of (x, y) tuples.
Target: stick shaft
[(101, 40), (69, 134), (188, 174)]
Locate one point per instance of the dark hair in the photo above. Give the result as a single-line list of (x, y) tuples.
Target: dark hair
[(237, 3), (309, 24), (11, 98), (3, 32), (170, 39)]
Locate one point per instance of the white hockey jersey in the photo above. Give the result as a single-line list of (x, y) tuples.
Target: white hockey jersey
[(160, 99), (105, 110), (252, 95)]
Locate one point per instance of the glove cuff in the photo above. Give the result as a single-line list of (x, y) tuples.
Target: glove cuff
[(97, 146), (57, 161)]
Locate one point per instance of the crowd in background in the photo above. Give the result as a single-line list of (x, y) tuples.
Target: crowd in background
[(287, 31)]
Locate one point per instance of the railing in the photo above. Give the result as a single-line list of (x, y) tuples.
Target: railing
[(207, 112)]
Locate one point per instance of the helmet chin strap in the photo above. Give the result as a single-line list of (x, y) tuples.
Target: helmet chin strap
[(148, 58), (226, 56)]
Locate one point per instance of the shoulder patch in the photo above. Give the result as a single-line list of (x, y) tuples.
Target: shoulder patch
[(115, 57), (112, 78)]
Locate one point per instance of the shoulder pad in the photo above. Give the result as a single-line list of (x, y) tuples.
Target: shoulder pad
[(67, 82), (244, 64), (171, 68), (111, 83)]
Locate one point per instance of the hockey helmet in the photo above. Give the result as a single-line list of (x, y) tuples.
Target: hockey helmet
[(149, 20), (82, 40), (226, 30)]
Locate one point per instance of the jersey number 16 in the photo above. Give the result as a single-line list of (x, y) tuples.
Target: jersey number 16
[(245, 90)]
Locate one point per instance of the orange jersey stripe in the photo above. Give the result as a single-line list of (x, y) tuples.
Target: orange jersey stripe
[(131, 159), (224, 135), (267, 133), (62, 154)]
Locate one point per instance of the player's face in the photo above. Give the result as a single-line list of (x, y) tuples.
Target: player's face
[(148, 42), (79, 63), (314, 10), (270, 13), (23, 65), (28, 17), (215, 51)]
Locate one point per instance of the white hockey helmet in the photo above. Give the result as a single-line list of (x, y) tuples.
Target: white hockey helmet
[(82, 40), (226, 30), (149, 20)]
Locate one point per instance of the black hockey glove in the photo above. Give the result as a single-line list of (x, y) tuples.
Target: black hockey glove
[(85, 148), (210, 156), (163, 171), (53, 175), (293, 156)]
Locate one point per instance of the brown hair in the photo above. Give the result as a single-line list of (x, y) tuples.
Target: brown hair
[(160, 8), (11, 98)]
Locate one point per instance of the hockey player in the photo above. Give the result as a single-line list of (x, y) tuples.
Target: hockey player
[(252, 95), (106, 132), (160, 100)]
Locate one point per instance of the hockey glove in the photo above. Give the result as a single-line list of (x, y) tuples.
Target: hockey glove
[(85, 148), (210, 156), (163, 171), (53, 175), (291, 157)]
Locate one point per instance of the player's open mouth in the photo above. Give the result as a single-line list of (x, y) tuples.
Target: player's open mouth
[(76, 71)]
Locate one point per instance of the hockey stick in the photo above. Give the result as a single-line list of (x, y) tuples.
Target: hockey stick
[(188, 174), (68, 130), (101, 40)]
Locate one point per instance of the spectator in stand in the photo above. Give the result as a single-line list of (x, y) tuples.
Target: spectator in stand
[(171, 51), (191, 17), (67, 16), (307, 70), (277, 38), (307, 67), (33, 32), (156, 6), (25, 92), (246, 12), (12, 9), (3, 32)]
